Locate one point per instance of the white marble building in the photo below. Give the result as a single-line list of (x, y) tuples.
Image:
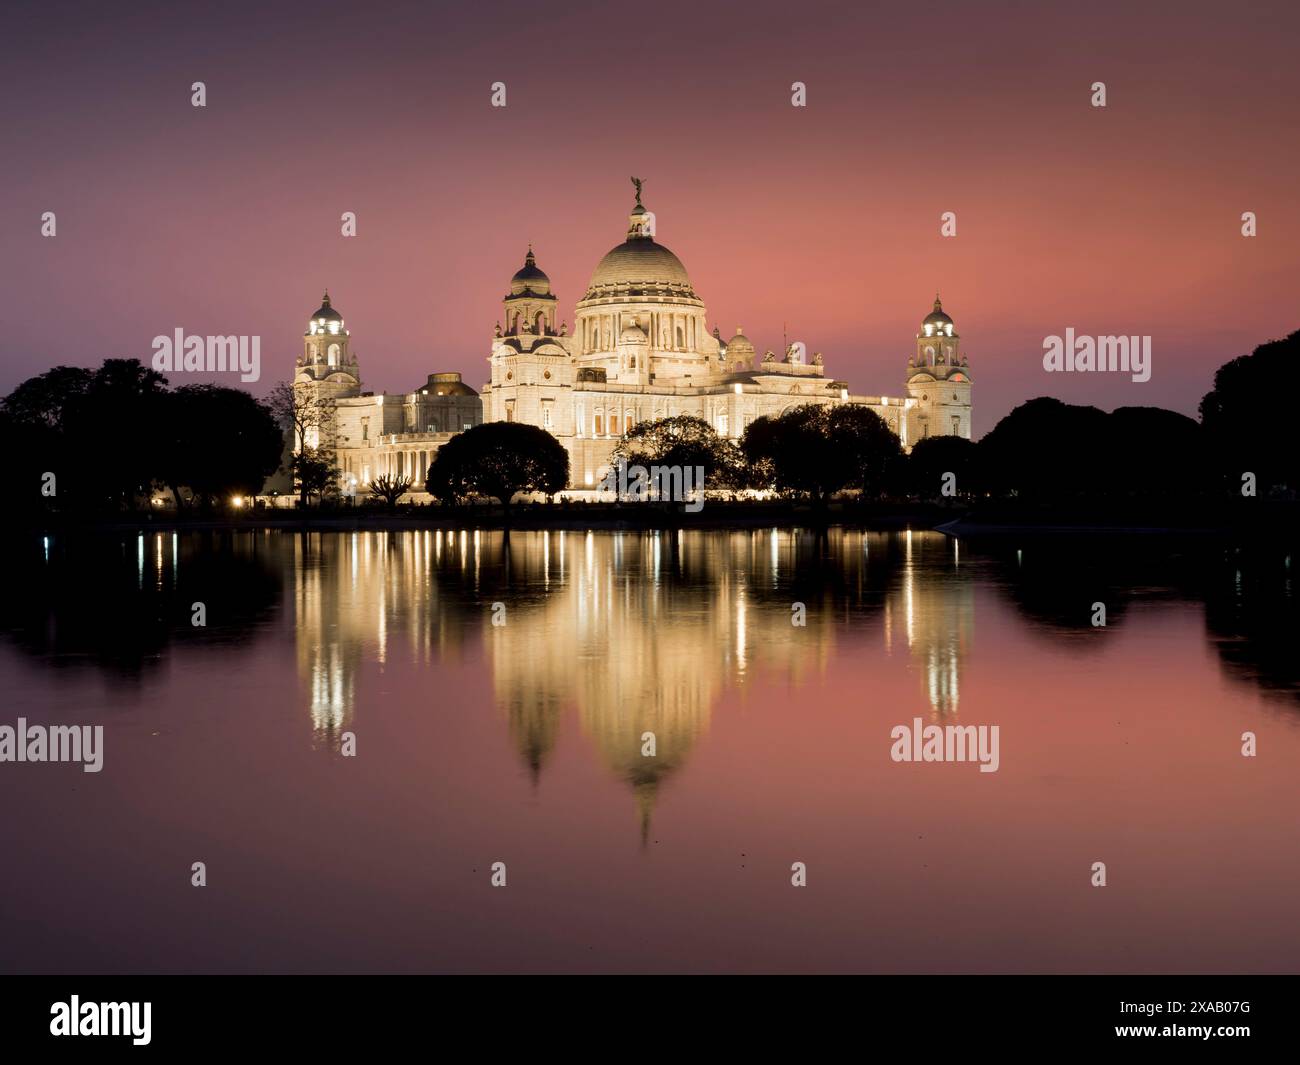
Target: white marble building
[(641, 349)]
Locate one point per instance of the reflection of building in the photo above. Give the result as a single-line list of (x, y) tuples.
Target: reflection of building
[(353, 594), (933, 609), (635, 632), (653, 628), (641, 349)]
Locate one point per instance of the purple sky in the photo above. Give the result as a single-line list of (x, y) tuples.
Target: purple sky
[(226, 219)]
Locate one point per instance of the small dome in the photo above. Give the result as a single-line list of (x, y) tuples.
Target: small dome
[(739, 344), (446, 384), (937, 319), (326, 311), (529, 278), (633, 334)]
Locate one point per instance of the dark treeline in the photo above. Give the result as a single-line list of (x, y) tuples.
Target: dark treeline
[(89, 441), (1044, 451), (86, 441)]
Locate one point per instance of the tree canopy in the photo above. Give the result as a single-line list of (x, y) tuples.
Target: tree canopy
[(1241, 436), (498, 460), (683, 440)]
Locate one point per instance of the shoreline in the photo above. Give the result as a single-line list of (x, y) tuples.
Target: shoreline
[(1266, 519)]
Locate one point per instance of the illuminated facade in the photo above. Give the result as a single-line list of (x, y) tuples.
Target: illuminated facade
[(640, 350)]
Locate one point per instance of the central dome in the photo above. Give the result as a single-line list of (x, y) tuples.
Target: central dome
[(639, 267)]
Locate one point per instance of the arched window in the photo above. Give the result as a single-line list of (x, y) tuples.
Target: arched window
[(681, 338), (541, 323), (334, 355)]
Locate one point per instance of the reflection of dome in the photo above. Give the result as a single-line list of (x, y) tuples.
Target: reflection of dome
[(528, 278), (326, 311), (937, 319), (641, 266)]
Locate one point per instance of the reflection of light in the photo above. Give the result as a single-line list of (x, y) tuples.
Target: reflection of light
[(740, 631), (46, 541), (328, 703), (908, 615), (139, 559)]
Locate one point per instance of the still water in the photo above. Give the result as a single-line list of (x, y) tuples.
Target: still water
[(521, 742)]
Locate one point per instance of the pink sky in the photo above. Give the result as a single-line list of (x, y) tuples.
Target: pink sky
[(226, 219)]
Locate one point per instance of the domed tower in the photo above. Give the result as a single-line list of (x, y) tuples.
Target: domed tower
[(530, 305), (938, 380), (327, 368), (740, 352), (643, 280)]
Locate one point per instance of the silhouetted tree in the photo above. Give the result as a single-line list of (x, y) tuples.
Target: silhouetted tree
[(1241, 434), (1155, 452), (499, 460), (816, 450), (218, 442), (390, 488), (69, 415), (683, 441), (314, 473), (933, 457), (1046, 449), (865, 445)]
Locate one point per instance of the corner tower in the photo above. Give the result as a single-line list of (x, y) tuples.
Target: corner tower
[(529, 306), (327, 363), (938, 380)]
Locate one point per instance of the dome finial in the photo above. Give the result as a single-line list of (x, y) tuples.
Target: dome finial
[(530, 259), (937, 305), (638, 182), (325, 300)]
